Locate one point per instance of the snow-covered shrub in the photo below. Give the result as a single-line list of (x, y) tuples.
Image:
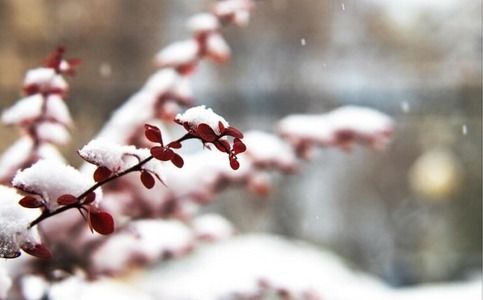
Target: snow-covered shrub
[(137, 188)]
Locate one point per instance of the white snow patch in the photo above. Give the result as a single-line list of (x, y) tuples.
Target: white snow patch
[(75, 288), (52, 133), (212, 227), (267, 148), (14, 222), (177, 54), (51, 179), (203, 22), (201, 115), (217, 48), (57, 110), (25, 109)]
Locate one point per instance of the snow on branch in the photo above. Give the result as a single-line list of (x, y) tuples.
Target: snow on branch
[(339, 128), (42, 115)]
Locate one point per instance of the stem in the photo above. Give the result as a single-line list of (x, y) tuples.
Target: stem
[(79, 204), (48, 214)]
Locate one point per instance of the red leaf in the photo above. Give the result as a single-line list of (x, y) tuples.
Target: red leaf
[(206, 133), (31, 202), (221, 127), (234, 164), (101, 221), (66, 199), (37, 250), (233, 132), (153, 133), (91, 197), (102, 173), (175, 145), (222, 145), (177, 160), (162, 153), (238, 146), (147, 179)]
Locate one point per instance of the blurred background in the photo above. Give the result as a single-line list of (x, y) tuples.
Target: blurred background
[(409, 215)]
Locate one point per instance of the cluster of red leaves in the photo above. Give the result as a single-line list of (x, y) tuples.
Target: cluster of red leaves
[(61, 66), (98, 220), (162, 152), (55, 60), (202, 132)]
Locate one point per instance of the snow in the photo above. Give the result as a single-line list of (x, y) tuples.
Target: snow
[(128, 119), (268, 149), (360, 119), (116, 157), (161, 81), (39, 76), (16, 155), (217, 48), (57, 110), (20, 153), (201, 115), (242, 17), (142, 241), (199, 176), (34, 287), (238, 265), (238, 9), (25, 109), (124, 245), (29, 108), (212, 227), (110, 155), (52, 133), (5, 283), (229, 7), (202, 23), (177, 54), (171, 237), (340, 127), (14, 222), (182, 90), (46, 79), (51, 179), (75, 288)]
